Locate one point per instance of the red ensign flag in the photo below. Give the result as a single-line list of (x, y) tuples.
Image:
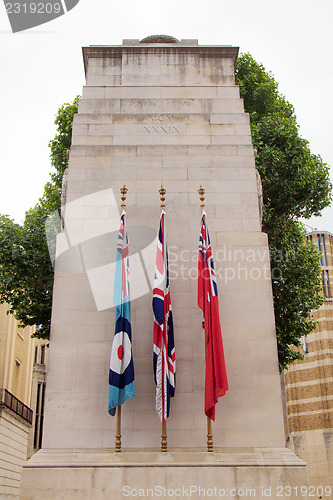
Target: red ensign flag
[(216, 383)]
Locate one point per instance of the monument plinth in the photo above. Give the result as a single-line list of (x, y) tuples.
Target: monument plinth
[(152, 112)]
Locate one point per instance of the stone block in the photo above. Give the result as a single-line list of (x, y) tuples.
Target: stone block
[(88, 162), (92, 92), (90, 118), (115, 475), (217, 199), (215, 106), (232, 118), (213, 173), (173, 150), (213, 150), (228, 92), (234, 212), (229, 139), (78, 151), (210, 130), (243, 129), (99, 106), (188, 139), (245, 150), (92, 140), (104, 71), (104, 80), (77, 174), (189, 92), (98, 151), (80, 129), (137, 162), (251, 224), (166, 174), (247, 174), (126, 92), (158, 105)]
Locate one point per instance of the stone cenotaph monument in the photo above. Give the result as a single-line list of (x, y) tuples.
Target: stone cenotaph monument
[(161, 111)]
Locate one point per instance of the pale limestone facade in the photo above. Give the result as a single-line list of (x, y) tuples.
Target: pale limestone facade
[(16, 361), (23, 361), (16, 356), (309, 383), (152, 113), (14, 433)]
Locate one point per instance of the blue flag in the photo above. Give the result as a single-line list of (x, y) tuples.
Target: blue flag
[(121, 376)]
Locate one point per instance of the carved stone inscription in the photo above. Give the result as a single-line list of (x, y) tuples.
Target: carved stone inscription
[(161, 129), (162, 118), (165, 124)]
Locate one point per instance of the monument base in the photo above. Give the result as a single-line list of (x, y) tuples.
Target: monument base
[(104, 475)]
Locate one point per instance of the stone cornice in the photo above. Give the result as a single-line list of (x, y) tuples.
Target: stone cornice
[(113, 51)]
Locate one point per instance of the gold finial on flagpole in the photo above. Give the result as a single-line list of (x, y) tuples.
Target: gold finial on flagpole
[(201, 192), (123, 191), (162, 192)]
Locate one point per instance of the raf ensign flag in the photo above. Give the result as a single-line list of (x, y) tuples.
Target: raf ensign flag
[(121, 375), (164, 359), (216, 382)]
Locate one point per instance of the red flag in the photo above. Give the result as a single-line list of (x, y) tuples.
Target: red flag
[(216, 382)]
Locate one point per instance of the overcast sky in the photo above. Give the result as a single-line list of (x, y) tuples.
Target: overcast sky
[(42, 68)]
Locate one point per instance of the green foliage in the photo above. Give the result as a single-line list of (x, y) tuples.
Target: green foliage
[(62, 141), (295, 184), (296, 287), (26, 273)]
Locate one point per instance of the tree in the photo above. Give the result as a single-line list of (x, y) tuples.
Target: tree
[(26, 272), (295, 184), (61, 144), (296, 287)]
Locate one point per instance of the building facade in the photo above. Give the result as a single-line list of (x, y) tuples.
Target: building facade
[(22, 370), (309, 383)]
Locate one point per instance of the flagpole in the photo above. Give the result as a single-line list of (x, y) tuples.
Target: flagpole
[(164, 436), (164, 440), (123, 191), (118, 431), (210, 442)]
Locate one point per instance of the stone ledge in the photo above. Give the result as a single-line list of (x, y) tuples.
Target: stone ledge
[(229, 457)]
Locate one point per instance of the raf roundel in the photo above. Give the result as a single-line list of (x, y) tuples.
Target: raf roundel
[(121, 353)]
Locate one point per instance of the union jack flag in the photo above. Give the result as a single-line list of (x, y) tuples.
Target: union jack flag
[(164, 359), (216, 382), (121, 374)]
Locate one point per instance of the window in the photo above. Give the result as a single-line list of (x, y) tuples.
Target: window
[(42, 355), (319, 248), (36, 354), (324, 249), (325, 280), (39, 418), (305, 347), (328, 287)]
